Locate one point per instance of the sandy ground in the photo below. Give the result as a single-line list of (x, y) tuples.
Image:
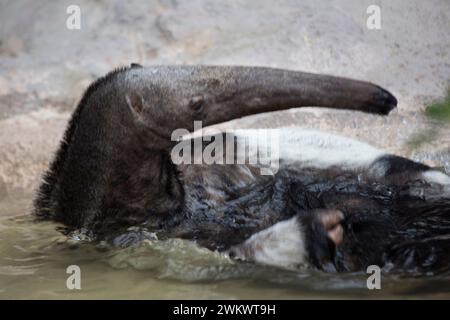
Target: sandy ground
[(44, 67)]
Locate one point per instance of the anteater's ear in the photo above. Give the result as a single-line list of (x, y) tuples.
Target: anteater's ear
[(136, 104), (135, 65)]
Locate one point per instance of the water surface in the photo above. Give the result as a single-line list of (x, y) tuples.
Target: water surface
[(34, 258)]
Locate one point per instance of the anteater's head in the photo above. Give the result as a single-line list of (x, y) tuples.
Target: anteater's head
[(169, 97)]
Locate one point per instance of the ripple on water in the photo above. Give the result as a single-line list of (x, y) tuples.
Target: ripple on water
[(34, 258)]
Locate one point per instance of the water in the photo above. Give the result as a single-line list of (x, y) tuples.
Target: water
[(34, 258)]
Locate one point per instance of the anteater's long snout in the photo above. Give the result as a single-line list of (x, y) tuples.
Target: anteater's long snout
[(178, 95), (258, 89)]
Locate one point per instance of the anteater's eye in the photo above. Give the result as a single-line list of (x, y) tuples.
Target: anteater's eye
[(196, 104)]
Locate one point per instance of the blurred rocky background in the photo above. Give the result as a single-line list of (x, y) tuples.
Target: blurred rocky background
[(44, 66)]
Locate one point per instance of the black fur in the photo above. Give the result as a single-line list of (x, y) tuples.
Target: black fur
[(321, 250), (44, 201)]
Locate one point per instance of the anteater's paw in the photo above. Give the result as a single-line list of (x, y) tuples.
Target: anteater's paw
[(309, 238), (323, 233), (331, 220)]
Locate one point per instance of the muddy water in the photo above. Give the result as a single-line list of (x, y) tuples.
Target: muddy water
[(34, 258)]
